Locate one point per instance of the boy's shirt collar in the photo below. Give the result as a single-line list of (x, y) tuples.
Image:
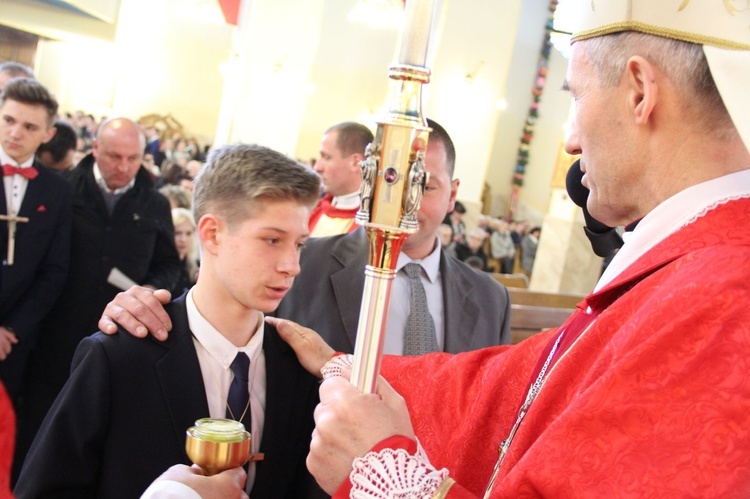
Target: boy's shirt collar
[(220, 348)]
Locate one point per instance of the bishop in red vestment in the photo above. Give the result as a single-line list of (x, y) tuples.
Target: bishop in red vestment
[(654, 396), (644, 391)]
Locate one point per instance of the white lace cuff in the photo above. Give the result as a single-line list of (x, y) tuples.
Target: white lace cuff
[(334, 367), (394, 473)]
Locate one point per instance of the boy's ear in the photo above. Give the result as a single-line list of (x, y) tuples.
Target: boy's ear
[(209, 232)]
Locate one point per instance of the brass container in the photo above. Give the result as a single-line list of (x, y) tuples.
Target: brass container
[(217, 444)]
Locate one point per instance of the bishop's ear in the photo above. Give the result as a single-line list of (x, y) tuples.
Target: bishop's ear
[(643, 88)]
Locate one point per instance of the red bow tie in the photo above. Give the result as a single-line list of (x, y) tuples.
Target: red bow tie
[(30, 172)]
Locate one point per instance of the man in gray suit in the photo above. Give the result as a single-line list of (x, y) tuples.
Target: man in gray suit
[(469, 308)]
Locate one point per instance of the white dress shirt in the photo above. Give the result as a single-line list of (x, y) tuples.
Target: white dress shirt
[(15, 185), (346, 202), (215, 354), (103, 184)]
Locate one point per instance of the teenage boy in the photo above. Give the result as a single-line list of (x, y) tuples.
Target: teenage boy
[(120, 421), (35, 218)]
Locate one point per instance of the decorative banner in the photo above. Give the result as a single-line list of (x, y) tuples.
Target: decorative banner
[(231, 10), (522, 158)]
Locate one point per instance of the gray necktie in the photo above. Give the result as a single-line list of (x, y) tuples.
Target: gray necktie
[(419, 335)]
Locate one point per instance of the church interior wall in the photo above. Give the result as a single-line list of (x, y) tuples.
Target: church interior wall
[(167, 58)]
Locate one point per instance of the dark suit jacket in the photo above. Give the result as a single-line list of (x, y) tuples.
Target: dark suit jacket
[(152, 147), (327, 294), (120, 421), (30, 287), (137, 238)]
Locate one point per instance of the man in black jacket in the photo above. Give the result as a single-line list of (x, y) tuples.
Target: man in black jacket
[(122, 231)]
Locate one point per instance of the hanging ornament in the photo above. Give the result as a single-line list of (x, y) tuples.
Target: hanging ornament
[(536, 91)]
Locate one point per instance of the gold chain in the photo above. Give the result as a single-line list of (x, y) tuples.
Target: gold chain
[(218, 385)]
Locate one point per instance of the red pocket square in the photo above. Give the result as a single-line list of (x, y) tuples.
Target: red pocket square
[(41, 208)]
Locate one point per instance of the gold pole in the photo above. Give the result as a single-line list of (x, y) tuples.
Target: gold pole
[(393, 180)]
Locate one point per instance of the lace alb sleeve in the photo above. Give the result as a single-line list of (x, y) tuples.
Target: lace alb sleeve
[(395, 473), (335, 366)]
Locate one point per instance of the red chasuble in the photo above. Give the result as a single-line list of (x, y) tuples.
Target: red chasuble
[(653, 399)]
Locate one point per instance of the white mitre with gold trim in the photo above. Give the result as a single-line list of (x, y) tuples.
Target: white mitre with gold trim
[(721, 26)]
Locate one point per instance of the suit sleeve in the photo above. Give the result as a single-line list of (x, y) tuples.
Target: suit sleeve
[(164, 270), (64, 459), (50, 276), (304, 485)]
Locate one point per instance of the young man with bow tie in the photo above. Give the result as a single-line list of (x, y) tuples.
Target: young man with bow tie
[(35, 215)]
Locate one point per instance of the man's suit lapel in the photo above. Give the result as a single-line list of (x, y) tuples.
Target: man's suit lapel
[(33, 198), (351, 252), (3, 223), (179, 374), (3, 204), (460, 313)]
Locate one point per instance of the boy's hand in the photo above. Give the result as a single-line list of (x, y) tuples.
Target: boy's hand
[(139, 310)]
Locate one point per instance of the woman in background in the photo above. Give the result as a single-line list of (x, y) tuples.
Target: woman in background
[(184, 238)]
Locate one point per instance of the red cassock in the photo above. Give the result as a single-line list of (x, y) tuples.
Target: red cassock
[(653, 400)]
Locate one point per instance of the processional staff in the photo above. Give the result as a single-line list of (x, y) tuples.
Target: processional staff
[(12, 220), (393, 180)]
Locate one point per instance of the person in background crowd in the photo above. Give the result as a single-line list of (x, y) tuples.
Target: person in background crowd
[(187, 249), (445, 233), (502, 247), (177, 196), (59, 152), (455, 219), (474, 247), (11, 69), (33, 276), (529, 244), (341, 150)]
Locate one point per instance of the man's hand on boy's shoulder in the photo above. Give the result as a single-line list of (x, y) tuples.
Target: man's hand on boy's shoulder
[(312, 351), (140, 311)]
